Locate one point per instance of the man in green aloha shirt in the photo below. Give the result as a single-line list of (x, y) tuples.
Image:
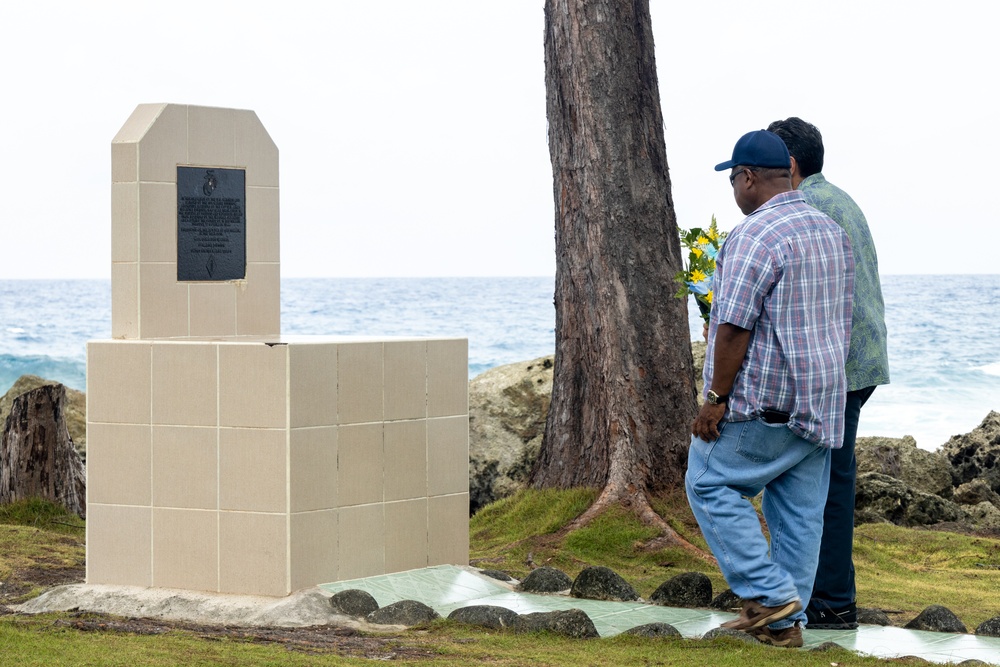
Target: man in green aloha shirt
[(833, 603)]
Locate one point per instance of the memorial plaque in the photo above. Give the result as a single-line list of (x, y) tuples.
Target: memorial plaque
[(211, 224)]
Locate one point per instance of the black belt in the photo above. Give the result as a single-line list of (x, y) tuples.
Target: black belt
[(775, 416)]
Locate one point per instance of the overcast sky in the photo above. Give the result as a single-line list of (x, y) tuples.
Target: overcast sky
[(412, 132)]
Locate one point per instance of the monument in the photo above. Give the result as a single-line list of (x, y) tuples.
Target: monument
[(223, 456)]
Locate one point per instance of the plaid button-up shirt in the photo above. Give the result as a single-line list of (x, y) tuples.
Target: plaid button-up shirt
[(786, 273)]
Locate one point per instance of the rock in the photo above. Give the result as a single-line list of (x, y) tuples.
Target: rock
[(75, 410), (488, 616), (825, 646), (972, 662), (38, 456), (404, 612), (936, 619), (570, 622), (602, 583), (507, 410), (976, 455), (975, 492), (921, 470), (496, 574), (653, 630), (727, 600), (545, 580), (729, 633), (873, 617), (688, 589), (989, 627), (881, 498), (698, 354), (985, 516), (353, 602)]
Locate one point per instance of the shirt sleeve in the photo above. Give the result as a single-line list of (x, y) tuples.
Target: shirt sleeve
[(748, 275)]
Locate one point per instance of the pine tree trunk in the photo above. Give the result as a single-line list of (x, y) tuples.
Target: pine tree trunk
[(623, 396), (37, 457)]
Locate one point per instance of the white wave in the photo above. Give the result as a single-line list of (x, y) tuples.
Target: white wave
[(15, 330), (990, 369)]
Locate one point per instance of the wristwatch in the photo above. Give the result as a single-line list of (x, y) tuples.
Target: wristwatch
[(715, 399)]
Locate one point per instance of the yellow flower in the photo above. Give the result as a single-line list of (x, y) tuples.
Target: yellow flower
[(702, 240), (712, 233), (697, 252), (697, 276), (708, 297)]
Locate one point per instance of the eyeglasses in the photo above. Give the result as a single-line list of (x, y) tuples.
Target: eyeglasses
[(732, 177)]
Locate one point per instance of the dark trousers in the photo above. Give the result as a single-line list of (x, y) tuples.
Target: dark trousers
[(834, 585)]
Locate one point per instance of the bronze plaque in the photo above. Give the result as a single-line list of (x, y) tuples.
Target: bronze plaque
[(211, 224)]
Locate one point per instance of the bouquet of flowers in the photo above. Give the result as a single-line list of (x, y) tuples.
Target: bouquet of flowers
[(702, 247)]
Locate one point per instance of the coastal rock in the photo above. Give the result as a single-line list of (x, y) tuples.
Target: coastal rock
[(867, 616), (570, 622), (985, 516), (989, 627), (687, 589), (507, 410), (936, 619), (75, 411), (545, 580), (404, 612), (353, 602), (881, 498), (653, 630), (921, 470), (496, 574), (975, 492), (602, 583), (976, 455), (487, 616)]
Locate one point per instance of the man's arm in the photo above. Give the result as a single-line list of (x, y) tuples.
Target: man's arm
[(731, 343)]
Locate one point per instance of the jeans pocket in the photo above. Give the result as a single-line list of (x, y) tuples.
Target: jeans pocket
[(761, 442)]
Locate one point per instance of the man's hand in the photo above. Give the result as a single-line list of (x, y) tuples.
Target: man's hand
[(706, 424)]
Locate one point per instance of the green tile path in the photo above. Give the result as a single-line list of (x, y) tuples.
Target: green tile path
[(447, 587)]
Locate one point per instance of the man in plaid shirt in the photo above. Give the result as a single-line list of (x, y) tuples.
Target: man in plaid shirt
[(775, 391)]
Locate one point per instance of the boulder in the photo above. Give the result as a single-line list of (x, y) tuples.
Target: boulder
[(976, 455), (936, 619), (882, 498), (975, 492), (919, 469), (570, 622), (37, 457), (989, 627), (985, 517), (727, 600), (75, 411), (545, 580), (507, 410), (353, 602), (487, 616), (867, 616), (654, 630), (496, 574), (602, 583), (687, 589), (404, 612), (729, 633)]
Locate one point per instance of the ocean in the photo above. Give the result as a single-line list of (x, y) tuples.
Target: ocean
[(944, 350)]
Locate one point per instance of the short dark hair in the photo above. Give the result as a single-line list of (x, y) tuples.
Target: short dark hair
[(804, 143)]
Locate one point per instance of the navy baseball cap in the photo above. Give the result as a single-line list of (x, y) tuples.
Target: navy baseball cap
[(759, 148)]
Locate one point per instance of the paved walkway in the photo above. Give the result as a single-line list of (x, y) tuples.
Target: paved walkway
[(446, 588)]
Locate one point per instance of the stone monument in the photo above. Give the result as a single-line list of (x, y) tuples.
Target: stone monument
[(223, 456)]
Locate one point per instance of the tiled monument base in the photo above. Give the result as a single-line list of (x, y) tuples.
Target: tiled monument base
[(266, 465)]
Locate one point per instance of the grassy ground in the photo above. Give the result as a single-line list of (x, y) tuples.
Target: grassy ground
[(901, 571)]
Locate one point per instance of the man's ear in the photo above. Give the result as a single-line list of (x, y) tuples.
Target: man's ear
[(795, 167)]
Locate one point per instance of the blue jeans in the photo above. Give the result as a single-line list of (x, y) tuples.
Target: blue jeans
[(750, 457), (834, 586)]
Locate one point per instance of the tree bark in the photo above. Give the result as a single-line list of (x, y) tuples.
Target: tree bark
[(623, 396), (37, 456)]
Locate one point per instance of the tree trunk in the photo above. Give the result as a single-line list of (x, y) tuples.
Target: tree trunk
[(623, 396), (37, 456)]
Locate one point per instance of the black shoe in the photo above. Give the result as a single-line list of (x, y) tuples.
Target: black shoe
[(822, 616)]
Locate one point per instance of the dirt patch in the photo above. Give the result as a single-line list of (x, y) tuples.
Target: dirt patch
[(23, 582), (316, 639)]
